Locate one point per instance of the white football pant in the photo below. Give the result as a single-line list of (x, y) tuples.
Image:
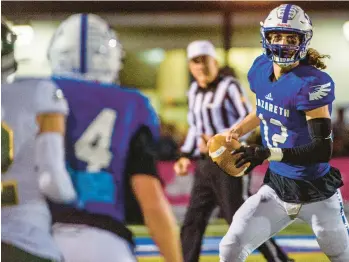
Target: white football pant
[(82, 243), (264, 214)]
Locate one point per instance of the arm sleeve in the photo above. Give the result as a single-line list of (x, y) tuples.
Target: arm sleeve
[(319, 150), (190, 142), (314, 94), (54, 180), (50, 99), (189, 145), (142, 152)]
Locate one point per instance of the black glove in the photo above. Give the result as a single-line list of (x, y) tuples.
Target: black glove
[(253, 154)]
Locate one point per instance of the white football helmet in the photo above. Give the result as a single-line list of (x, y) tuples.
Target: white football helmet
[(84, 46), (287, 18)]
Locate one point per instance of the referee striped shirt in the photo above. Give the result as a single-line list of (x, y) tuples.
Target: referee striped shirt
[(213, 110)]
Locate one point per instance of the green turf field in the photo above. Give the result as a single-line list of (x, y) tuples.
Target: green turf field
[(313, 257), (219, 227)]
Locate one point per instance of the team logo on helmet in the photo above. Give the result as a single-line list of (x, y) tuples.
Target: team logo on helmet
[(292, 11)]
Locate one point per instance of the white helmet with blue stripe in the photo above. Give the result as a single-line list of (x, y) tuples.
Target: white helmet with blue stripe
[(287, 18), (85, 47)]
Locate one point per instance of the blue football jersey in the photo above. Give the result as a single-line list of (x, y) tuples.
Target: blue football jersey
[(281, 105), (102, 121)]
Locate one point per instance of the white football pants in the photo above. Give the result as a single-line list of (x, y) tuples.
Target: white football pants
[(82, 243), (264, 214)]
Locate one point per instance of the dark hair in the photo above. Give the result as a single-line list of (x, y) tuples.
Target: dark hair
[(314, 58)]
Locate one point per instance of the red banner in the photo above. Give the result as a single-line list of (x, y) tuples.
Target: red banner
[(178, 188)]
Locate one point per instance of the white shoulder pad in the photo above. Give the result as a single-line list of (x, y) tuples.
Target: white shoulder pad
[(50, 99)]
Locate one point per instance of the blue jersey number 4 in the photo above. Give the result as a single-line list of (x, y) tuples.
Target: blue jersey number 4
[(93, 148)]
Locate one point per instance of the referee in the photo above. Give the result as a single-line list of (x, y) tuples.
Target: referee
[(216, 102)]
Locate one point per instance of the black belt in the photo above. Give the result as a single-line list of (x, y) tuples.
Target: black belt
[(73, 216)]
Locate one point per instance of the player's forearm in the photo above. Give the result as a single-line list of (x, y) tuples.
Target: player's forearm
[(163, 229), (54, 180), (318, 151), (157, 215), (249, 123)]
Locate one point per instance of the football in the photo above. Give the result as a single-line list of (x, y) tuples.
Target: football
[(220, 153)]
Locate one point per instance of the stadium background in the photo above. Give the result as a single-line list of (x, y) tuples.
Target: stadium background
[(154, 36)]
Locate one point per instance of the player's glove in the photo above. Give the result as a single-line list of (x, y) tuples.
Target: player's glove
[(253, 154)]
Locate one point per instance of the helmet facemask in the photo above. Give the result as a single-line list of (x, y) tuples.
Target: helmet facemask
[(285, 54)]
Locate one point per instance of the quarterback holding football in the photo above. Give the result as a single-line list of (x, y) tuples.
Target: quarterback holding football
[(293, 109)]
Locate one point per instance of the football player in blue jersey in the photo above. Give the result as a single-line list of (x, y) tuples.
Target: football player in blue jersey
[(110, 136), (294, 103)]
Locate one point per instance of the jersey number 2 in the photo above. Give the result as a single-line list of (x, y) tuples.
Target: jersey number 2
[(276, 138), (93, 146)]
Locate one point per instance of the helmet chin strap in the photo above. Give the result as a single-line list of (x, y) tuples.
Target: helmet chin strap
[(285, 65)]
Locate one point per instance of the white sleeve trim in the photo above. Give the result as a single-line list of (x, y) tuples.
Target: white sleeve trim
[(275, 154)]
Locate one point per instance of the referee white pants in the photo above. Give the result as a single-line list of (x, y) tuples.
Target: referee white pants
[(82, 243), (264, 214)]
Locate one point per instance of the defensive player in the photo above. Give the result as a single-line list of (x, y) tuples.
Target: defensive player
[(294, 104), (32, 161), (110, 136)]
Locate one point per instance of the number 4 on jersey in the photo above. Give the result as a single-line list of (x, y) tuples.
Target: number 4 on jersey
[(93, 146)]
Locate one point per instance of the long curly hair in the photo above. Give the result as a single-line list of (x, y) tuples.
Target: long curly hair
[(314, 58)]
